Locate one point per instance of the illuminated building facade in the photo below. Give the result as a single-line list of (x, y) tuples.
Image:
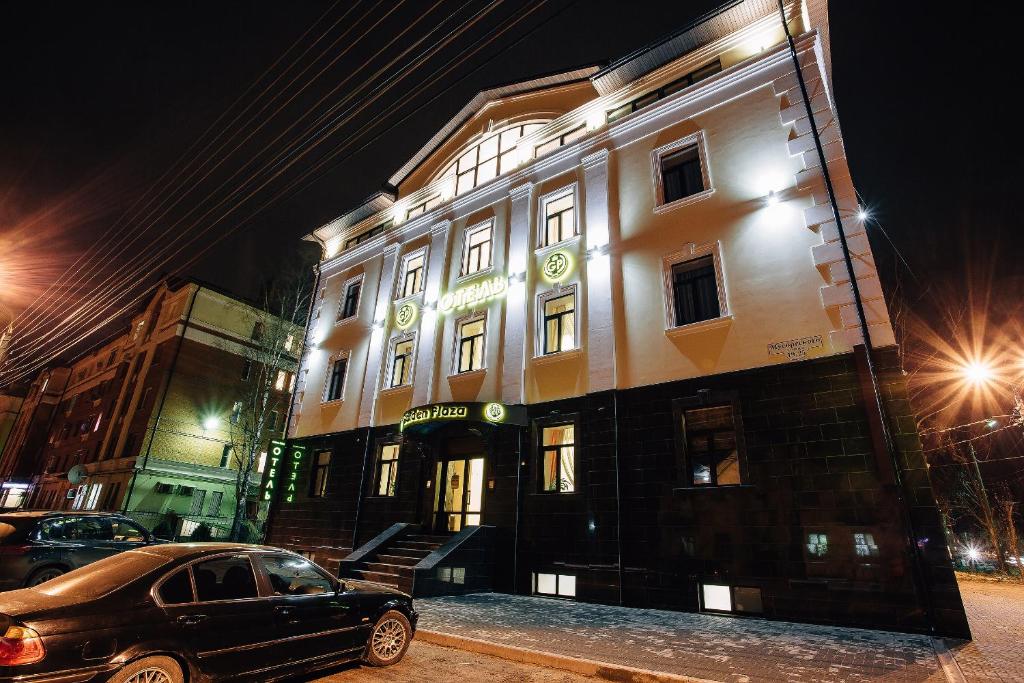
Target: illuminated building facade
[(603, 334), (143, 421)]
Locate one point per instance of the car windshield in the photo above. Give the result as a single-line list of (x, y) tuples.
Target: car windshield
[(99, 578)]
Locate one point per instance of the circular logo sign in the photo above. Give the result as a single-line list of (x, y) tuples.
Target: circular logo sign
[(556, 266), (406, 315), (494, 412)]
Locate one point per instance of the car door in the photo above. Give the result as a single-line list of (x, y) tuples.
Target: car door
[(228, 626), (80, 539), (314, 617)]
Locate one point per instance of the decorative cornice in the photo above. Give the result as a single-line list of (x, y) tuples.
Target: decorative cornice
[(598, 158), (440, 228), (521, 191)]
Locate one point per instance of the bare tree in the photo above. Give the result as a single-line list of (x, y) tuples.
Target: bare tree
[(261, 404), (972, 499), (1007, 507)]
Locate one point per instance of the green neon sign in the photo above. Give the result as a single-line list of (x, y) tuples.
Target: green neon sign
[(282, 471), (473, 294), (406, 315), (557, 266)]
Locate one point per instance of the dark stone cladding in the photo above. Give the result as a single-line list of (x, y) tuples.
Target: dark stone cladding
[(809, 467)]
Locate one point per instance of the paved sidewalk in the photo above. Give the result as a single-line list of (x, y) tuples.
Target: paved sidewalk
[(996, 614), (703, 646)]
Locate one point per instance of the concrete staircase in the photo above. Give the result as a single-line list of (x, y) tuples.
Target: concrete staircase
[(392, 563)]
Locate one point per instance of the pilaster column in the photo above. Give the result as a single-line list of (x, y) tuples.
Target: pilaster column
[(378, 336), (427, 350), (596, 241), (516, 303)]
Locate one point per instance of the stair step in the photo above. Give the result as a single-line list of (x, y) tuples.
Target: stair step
[(416, 545), (384, 568), (405, 560), (378, 577), (428, 538)]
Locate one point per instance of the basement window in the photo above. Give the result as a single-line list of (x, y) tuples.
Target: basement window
[(741, 599), (555, 585)]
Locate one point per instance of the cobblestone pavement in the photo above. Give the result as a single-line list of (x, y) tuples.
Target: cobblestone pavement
[(717, 648), (425, 663), (996, 614)]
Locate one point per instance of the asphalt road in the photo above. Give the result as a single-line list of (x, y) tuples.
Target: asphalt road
[(426, 663)]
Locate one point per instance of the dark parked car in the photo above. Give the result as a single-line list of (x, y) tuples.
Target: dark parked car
[(200, 612), (38, 546)]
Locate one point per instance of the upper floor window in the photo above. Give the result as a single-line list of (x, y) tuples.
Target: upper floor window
[(665, 90), (695, 291), (560, 140), (681, 172), (427, 204), (350, 298), (412, 274), (476, 255), (336, 379), (368, 234), (400, 368), (494, 155), (471, 345), (559, 217), (559, 323)]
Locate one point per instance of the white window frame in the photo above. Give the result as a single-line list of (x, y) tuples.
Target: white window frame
[(400, 294), (395, 341), (558, 580), (347, 356), (557, 292), (457, 346), (338, 320), (657, 157), (464, 261), (693, 252), (542, 222)]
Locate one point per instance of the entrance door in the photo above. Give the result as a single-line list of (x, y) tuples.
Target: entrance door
[(458, 494)]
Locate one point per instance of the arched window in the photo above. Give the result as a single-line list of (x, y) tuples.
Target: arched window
[(493, 155)]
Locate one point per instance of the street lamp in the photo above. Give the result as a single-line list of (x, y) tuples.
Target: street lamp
[(978, 372), (211, 422)]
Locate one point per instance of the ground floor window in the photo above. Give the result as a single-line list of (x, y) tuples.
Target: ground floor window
[(387, 470), (558, 462), (709, 439), (864, 545), (318, 480), (719, 598), (557, 585)]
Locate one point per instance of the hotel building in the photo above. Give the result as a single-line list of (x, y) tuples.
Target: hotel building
[(598, 341)]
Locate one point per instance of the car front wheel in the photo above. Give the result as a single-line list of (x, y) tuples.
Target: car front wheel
[(389, 639), (43, 575), (150, 670)]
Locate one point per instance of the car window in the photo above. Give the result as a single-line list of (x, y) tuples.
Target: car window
[(225, 578), (90, 529), (103, 576), (291, 575), (177, 590), (126, 532), (57, 529)]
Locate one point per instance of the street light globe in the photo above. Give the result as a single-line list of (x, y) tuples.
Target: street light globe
[(977, 372), (973, 554), (211, 422)]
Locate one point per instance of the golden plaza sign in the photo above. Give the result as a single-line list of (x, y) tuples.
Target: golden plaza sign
[(491, 413)]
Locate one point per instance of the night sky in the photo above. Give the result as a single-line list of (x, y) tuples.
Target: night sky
[(100, 99)]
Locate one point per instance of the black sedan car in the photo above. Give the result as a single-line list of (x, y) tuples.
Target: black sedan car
[(38, 546), (200, 612)]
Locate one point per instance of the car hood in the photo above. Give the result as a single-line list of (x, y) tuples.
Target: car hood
[(371, 587)]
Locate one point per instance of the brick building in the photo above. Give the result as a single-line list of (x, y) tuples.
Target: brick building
[(144, 421), (601, 343)]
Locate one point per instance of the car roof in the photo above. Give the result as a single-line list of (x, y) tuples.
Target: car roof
[(36, 514), (183, 550)]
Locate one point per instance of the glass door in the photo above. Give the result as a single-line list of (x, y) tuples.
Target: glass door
[(458, 494)]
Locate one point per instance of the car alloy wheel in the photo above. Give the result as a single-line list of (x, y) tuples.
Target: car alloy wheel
[(388, 639), (44, 576), (150, 675)]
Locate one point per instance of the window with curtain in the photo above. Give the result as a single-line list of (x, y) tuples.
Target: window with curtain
[(559, 324), (681, 174), (695, 291), (401, 364), (477, 256), (712, 452), (336, 380), (387, 469), (560, 219), (350, 301), (471, 345), (558, 458)]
